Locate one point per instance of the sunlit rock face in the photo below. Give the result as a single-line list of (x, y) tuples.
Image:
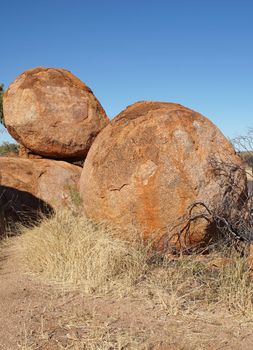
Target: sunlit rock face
[(151, 163), (53, 113)]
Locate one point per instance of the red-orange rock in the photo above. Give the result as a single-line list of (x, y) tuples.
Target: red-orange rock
[(24, 152), (52, 182), (153, 161), (11, 154), (53, 113)]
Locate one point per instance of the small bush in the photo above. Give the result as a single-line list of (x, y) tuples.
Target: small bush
[(7, 147)]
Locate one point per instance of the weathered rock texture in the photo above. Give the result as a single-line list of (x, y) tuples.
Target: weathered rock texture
[(49, 180), (152, 162), (30, 187), (24, 152), (53, 113)]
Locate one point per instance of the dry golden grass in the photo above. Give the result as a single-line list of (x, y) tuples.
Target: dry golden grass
[(130, 299), (235, 289), (192, 284), (76, 252)]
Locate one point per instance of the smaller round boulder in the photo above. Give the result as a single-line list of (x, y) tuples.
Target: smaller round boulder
[(53, 113)]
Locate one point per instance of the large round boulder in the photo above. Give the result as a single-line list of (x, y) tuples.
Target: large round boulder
[(53, 113), (31, 188), (151, 163)]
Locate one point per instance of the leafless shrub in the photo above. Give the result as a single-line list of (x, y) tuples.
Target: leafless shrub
[(244, 146), (232, 217)]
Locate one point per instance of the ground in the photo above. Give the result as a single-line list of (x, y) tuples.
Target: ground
[(36, 315)]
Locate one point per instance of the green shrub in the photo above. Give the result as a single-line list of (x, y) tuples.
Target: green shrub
[(7, 147)]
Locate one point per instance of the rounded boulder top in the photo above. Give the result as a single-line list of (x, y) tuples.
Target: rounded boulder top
[(53, 113), (151, 163)]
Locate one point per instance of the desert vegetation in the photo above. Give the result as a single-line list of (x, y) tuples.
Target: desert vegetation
[(91, 264), (78, 253), (8, 148)]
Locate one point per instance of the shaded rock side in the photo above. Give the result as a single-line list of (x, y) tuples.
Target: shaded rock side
[(53, 113), (151, 163), (52, 182), (24, 152)]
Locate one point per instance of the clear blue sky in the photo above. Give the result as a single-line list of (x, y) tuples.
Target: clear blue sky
[(195, 52)]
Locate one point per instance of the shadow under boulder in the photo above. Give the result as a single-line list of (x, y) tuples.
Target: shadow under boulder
[(54, 182), (20, 208)]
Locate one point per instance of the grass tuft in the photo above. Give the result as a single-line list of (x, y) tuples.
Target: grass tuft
[(76, 251)]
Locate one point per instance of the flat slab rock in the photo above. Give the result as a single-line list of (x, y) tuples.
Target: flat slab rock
[(53, 113), (152, 162)]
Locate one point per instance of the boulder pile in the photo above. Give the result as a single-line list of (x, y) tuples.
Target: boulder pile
[(55, 118), (142, 170)]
